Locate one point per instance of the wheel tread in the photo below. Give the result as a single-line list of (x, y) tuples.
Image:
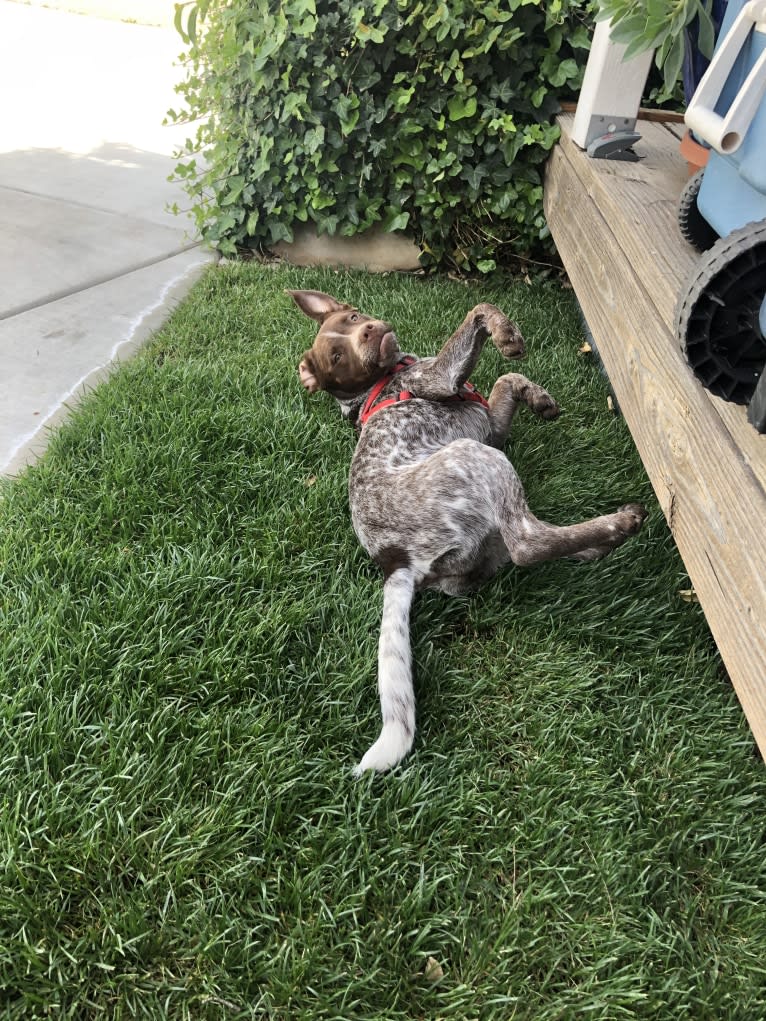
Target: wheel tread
[(722, 268)]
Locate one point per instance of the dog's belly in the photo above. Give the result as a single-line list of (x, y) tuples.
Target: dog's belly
[(438, 513)]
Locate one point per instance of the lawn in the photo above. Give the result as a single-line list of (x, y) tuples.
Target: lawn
[(189, 633)]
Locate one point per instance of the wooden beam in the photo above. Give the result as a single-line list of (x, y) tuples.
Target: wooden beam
[(645, 113), (612, 88), (614, 225), (640, 202)]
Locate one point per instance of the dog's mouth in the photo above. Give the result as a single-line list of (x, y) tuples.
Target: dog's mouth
[(389, 345)]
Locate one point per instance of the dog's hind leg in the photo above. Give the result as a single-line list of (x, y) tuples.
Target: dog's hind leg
[(493, 491), (508, 394), (531, 541), (397, 698)]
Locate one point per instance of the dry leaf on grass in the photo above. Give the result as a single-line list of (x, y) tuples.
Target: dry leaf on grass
[(688, 595), (433, 970), (585, 349)]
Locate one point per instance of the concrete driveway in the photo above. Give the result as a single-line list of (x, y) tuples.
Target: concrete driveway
[(90, 261)]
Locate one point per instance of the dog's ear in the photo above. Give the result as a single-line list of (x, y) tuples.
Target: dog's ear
[(309, 373), (316, 304)]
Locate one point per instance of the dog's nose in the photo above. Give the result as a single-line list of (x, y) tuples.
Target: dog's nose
[(375, 329)]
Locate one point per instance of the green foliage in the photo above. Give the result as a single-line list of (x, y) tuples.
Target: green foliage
[(434, 117), (660, 25)]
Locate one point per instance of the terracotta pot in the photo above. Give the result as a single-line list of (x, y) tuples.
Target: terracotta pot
[(696, 155)]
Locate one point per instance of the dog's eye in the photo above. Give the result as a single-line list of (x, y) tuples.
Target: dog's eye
[(336, 357), (354, 318)]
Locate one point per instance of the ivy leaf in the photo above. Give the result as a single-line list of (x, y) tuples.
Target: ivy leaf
[(402, 98), (313, 140), (279, 231), (299, 8), (474, 175), (565, 70), (226, 222), (395, 221), (327, 224), (460, 107), (347, 108), (368, 33), (235, 184)]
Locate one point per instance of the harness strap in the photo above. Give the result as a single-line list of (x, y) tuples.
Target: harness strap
[(373, 403)]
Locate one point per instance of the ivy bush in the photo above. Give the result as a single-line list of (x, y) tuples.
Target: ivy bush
[(433, 117)]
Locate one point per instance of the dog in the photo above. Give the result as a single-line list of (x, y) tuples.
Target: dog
[(434, 500)]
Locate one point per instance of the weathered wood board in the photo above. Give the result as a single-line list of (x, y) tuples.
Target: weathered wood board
[(611, 89), (615, 228)]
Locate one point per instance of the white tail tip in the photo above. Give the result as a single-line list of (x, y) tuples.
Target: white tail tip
[(390, 748)]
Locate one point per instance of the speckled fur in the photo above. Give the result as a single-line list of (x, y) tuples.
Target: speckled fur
[(434, 500)]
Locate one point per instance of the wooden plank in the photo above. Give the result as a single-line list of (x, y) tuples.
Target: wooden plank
[(712, 500), (647, 113), (675, 127), (639, 201)]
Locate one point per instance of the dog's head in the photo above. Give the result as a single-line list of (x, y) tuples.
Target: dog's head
[(351, 350)]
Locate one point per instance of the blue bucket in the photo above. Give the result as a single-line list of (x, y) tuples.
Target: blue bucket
[(733, 190)]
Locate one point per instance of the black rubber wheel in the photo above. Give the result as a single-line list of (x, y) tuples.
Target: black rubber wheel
[(693, 226), (717, 316)]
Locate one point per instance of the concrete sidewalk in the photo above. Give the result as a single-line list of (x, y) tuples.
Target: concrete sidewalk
[(90, 262)]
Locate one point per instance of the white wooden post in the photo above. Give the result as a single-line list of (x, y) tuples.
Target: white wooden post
[(611, 91)]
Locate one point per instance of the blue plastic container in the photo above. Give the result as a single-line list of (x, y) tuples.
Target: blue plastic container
[(721, 314), (733, 191)]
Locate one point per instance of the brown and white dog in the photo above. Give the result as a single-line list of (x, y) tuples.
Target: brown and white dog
[(434, 500)]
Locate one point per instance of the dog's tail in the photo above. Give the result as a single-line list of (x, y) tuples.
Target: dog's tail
[(397, 698)]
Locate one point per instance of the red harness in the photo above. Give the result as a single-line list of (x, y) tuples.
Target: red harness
[(373, 403)]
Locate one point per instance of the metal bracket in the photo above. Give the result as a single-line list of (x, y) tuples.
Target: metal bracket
[(605, 124), (615, 145)]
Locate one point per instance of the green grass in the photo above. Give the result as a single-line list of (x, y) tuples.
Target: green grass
[(188, 636)]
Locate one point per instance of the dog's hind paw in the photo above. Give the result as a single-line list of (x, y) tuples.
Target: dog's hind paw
[(632, 517), (508, 340), (506, 336)]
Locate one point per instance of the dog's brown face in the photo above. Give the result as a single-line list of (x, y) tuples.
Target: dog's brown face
[(351, 350)]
